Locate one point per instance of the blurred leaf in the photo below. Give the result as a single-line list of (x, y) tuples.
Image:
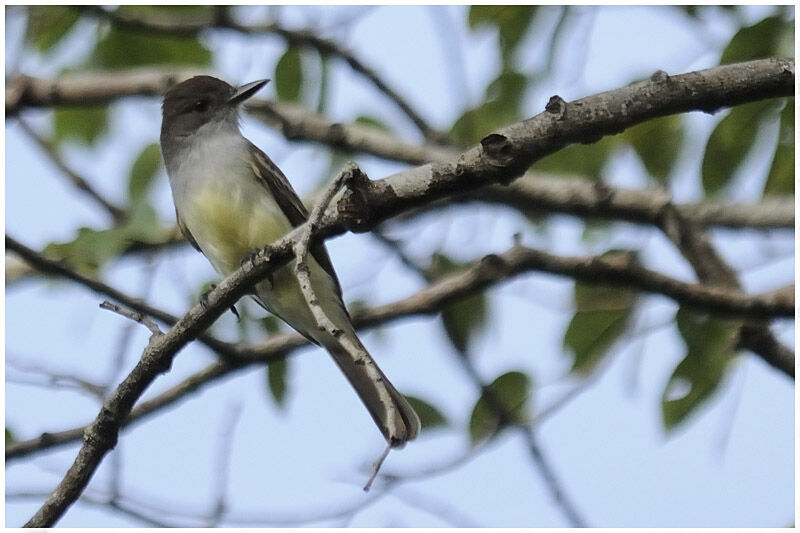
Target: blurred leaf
[(508, 394), (466, 317), (710, 346), (323, 95), (696, 11), (730, 143), (143, 224), (277, 372), (500, 108), (47, 25), (271, 324), (602, 315), (372, 122), (657, 143), (188, 12), (512, 23), (757, 41), (429, 416), (10, 437), (595, 231), (91, 249), (579, 160), (508, 88), (143, 171), (289, 75), (780, 179), (84, 124), (119, 49)]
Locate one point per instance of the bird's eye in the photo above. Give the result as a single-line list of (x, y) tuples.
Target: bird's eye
[(200, 106)]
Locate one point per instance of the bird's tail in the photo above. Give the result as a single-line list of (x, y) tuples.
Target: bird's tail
[(395, 417)]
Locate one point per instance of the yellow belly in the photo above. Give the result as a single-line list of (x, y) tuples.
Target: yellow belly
[(228, 224)]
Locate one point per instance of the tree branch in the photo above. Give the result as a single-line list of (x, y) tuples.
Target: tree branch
[(712, 270), (499, 158), (583, 198), (485, 273), (90, 88), (76, 179)]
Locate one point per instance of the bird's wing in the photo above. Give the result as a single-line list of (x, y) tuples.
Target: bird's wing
[(186, 232), (271, 177)]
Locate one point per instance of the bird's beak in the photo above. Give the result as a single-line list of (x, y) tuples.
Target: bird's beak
[(246, 91)]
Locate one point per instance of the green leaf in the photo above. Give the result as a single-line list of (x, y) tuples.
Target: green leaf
[(602, 315), (780, 179), (475, 123), (120, 49), (512, 23), (271, 324), (710, 346), (657, 143), (10, 437), (84, 124), (757, 41), (500, 108), (323, 95), (504, 401), (508, 88), (289, 75), (47, 25), (143, 170), (91, 249), (729, 144), (372, 122), (464, 318), (143, 224), (579, 160), (429, 416), (277, 372)]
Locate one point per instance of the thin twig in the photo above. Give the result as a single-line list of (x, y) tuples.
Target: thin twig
[(303, 273), (133, 315), (302, 245), (53, 379), (76, 179), (224, 456), (376, 466), (507, 418), (184, 26)]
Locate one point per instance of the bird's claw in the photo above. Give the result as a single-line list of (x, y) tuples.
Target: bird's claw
[(204, 302)]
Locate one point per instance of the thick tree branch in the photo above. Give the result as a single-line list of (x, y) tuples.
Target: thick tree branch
[(503, 156), (499, 158), (90, 88), (297, 123), (583, 198)]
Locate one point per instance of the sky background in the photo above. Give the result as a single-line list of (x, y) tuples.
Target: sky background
[(731, 465)]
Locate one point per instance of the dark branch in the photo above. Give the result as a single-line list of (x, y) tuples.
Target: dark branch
[(713, 271), (431, 300)]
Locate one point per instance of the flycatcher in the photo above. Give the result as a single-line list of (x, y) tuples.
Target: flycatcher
[(231, 199)]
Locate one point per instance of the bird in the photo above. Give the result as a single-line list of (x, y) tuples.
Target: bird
[(231, 200)]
